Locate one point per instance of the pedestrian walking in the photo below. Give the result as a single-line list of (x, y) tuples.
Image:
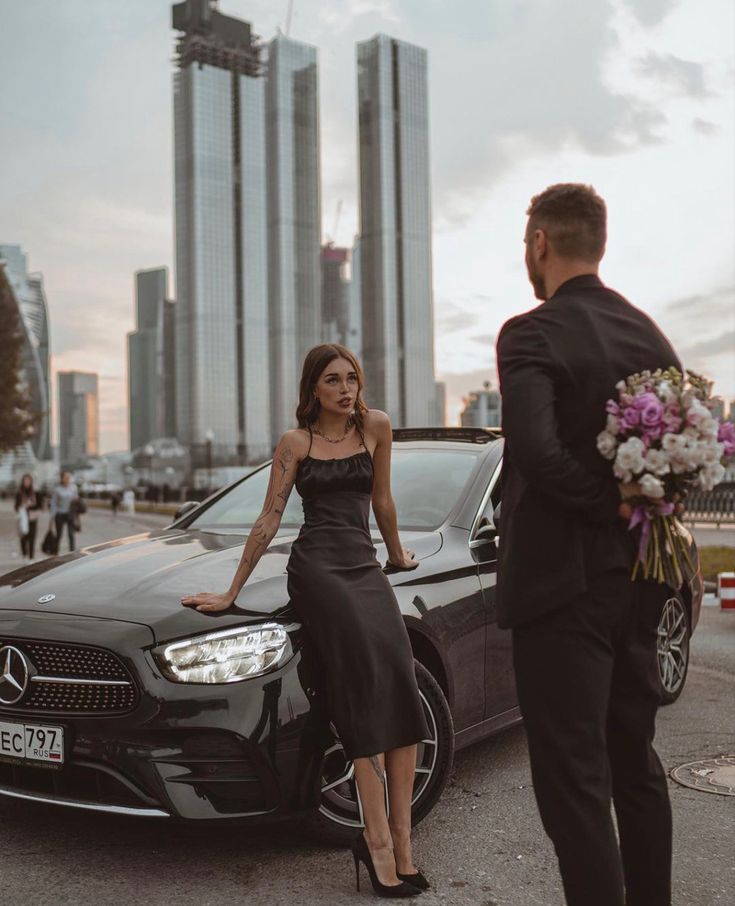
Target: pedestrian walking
[(27, 508), (339, 461), (62, 512), (114, 503), (584, 633)]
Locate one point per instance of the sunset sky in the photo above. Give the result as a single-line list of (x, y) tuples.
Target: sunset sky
[(633, 96)]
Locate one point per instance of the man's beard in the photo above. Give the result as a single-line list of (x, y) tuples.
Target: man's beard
[(537, 281)]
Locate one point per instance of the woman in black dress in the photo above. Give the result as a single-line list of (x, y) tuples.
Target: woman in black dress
[(339, 461)]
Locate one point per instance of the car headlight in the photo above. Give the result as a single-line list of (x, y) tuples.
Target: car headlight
[(227, 656)]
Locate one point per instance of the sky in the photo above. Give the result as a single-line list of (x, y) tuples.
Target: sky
[(636, 97)]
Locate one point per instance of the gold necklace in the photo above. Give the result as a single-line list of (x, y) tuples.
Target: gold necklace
[(332, 440)]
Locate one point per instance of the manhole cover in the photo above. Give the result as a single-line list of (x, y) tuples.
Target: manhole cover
[(713, 775)]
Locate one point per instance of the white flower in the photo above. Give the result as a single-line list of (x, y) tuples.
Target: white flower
[(651, 486), (708, 427), (607, 444), (657, 462), (710, 475), (630, 455), (696, 413), (625, 475), (673, 443), (621, 385), (613, 424), (666, 393)]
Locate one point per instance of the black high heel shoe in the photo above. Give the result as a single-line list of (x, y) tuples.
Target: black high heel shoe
[(416, 880), (361, 853)]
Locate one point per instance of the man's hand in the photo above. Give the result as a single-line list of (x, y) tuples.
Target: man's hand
[(630, 490)]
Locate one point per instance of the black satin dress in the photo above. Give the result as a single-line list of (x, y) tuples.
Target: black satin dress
[(350, 612)]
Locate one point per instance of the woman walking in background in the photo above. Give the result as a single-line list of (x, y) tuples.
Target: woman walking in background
[(62, 498), (339, 461), (28, 507)]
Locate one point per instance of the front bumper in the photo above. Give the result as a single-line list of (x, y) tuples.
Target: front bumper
[(244, 750)]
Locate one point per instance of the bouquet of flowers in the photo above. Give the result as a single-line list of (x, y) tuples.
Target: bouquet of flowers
[(662, 434)]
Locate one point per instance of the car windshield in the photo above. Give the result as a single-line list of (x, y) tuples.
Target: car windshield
[(426, 484)]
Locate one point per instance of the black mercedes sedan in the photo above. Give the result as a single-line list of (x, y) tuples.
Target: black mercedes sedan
[(115, 698)]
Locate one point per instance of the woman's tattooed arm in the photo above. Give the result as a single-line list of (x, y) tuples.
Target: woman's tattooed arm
[(282, 478)]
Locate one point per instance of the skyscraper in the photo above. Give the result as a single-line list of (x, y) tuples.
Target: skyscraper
[(395, 230), (151, 369), (222, 341), (31, 300), (78, 417), (335, 295), (294, 220), (483, 408)]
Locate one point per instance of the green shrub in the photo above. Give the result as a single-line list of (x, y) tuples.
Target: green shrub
[(716, 560)]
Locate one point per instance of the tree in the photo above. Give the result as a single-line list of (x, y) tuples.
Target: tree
[(17, 421)]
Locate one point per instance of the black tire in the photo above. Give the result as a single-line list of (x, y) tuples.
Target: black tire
[(337, 820), (673, 648)]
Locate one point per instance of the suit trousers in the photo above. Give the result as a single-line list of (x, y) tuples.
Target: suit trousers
[(588, 689)]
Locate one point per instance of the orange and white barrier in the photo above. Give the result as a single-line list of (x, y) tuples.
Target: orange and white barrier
[(726, 591)]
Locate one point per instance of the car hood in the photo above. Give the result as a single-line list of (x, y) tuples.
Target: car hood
[(142, 578)]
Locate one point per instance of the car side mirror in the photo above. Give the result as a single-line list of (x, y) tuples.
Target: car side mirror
[(486, 532), (185, 508)]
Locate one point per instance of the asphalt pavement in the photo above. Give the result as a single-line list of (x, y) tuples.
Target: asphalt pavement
[(482, 845)]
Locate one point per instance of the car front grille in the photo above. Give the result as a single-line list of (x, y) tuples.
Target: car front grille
[(73, 679)]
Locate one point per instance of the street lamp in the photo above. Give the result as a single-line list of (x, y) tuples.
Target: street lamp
[(209, 437)]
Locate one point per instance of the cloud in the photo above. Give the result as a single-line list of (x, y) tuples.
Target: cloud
[(518, 85), (712, 306), (682, 77), (650, 12), (718, 345), (704, 127), (485, 339)]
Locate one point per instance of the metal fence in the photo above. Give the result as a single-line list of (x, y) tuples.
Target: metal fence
[(716, 506)]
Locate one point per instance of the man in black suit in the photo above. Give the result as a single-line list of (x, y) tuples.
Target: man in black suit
[(584, 634)]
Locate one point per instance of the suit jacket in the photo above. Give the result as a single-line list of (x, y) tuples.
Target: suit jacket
[(558, 365)]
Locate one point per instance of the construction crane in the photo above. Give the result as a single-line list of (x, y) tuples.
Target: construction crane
[(289, 14), (332, 237)]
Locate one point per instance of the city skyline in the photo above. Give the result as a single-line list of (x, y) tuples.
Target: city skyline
[(647, 99)]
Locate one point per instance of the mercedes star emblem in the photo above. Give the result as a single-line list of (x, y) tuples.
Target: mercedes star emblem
[(44, 599), (14, 675)]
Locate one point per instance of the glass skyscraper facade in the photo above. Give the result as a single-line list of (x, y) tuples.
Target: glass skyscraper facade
[(78, 418), (29, 294), (294, 220), (222, 340), (151, 367), (395, 231)]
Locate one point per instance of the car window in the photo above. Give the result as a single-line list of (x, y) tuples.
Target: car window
[(426, 484)]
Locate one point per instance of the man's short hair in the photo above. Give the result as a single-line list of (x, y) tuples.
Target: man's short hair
[(574, 218)]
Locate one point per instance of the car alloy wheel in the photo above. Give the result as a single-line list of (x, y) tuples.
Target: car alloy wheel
[(673, 648), (340, 810), (340, 800)]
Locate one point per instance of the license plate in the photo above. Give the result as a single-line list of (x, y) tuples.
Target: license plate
[(32, 742)]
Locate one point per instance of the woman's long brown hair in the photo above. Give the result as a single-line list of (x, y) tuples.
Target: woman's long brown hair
[(317, 359)]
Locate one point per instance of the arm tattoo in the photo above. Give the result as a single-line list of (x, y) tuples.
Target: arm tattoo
[(375, 762)]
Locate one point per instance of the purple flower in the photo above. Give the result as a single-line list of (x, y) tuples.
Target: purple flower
[(652, 414), (645, 399), (651, 433), (631, 417), (726, 436), (612, 408)]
